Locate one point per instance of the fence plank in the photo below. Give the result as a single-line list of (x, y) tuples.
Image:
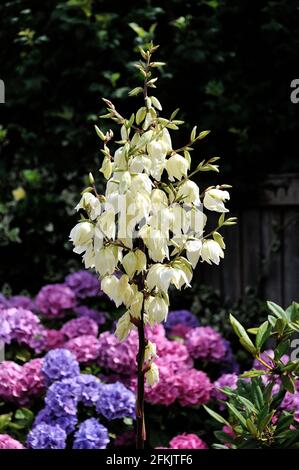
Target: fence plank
[(291, 257), (231, 265), (251, 250)]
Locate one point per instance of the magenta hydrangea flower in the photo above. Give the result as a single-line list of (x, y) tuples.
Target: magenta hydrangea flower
[(83, 284), (205, 343), (54, 339), (226, 380), (85, 348), (187, 441), (7, 442), (32, 371), (116, 356), (179, 330), (194, 387), (78, 327), (13, 384), (19, 384), (54, 299), (167, 390)]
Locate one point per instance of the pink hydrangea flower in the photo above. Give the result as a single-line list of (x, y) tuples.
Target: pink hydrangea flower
[(20, 383), (85, 348), (13, 383), (34, 377), (7, 442), (187, 441), (195, 387), (206, 343)]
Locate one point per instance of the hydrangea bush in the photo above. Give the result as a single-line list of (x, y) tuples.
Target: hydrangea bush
[(54, 398)]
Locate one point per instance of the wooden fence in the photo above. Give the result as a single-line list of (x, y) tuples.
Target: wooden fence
[(263, 248)]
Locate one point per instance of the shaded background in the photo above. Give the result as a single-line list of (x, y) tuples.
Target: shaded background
[(230, 65)]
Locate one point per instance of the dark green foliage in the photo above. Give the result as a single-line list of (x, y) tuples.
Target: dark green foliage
[(230, 65), (255, 415)]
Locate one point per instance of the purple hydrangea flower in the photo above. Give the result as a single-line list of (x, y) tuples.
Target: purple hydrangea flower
[(6, 332), (183, 317), (66, 421), (46, 436), (22, 326), (229, 363), (22, 301), (205, 343), (226, 380), (90, 389), (78, 327), (63, 397), (3, 302), (91, 435), (53, 299), (83, 284), (59, 364), (116, 401), (98, 317)]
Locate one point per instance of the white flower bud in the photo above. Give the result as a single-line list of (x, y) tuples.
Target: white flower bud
[(82, 233), (177, 167), (152, 375), (214, 200), (91, 204), (123, 327), (150, 351), (211, 252)]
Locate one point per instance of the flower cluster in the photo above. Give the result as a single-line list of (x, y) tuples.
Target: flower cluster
[(7, 442), (54, 299), (205, 343), (67, 389), (21, 383), (23, 326), (187, 441), (180, 322), (178, 380), (146, 232), (83, 284)]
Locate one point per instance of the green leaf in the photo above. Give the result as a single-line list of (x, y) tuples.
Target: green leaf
[(248, 345), (288, 383), (237, 414), (193, 134), (251, 427), (5, 420), (263, 334), (223, 437), (253, 373), (216, 416), (257, 393), (277, 310)]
